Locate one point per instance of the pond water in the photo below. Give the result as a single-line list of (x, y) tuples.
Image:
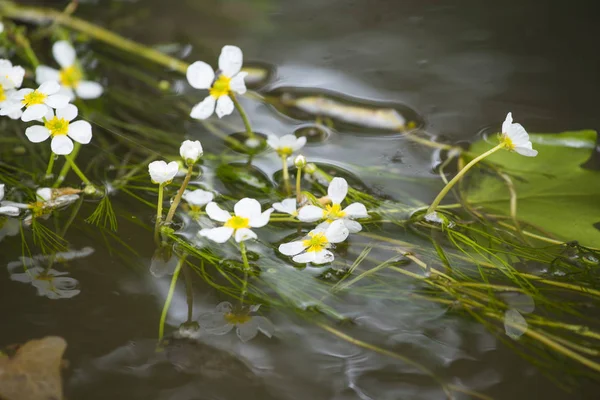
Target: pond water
[(452, 70)]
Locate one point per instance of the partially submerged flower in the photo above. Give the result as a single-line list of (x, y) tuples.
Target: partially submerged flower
[(62, 130), (247, 215), (37, 102), (287, 144), (161, 172), (8, 210), (197, 199), (70, 75), (225, 318), (515, 138), (49, 283), (228, 80), (11, 78), (314, 248), (191, 151), (337, 191), (287, 206), (47, 200)]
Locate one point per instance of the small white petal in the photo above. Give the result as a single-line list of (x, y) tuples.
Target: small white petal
[(337, 232), (230, 60), (273, 142), (63, 53), (261, 220), (61, 145), (89, 90), (292, 248), (247, 330), (44, 194), (37, 133), (69, 112), (11, 211), (44, 73), (518, 135), (287, 206), (243, 234), (9, 107), (300, 142), (191, 150), (247, 208), (237, 83), (159, 172), (218, 235), (67, 91), (265, 326), (337, 190), (57, 101), (507, 123), (224, 106), (353, 226), (310, 213), (198, 197), (2, 190), (524, 151), (172, 169), (356, 210), (200, 75), (49, 88), (34, 112), (323, 257), (80, 131), (216, 213), (288, 141), (305, 257), (204, 109)]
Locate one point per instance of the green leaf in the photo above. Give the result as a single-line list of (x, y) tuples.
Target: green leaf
[(554, 193)]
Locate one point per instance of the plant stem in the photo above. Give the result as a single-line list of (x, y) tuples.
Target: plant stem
[(189, 293), (159, 208), (66, 167), (50, 164), (179, 194), (459, 175), (77, 171), (298, 186), (246, 269), (165, 311), (243, 114), (286, 174)]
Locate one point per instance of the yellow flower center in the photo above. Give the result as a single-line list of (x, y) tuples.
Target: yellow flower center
[(237, 222), (34, 98), (57, 126), (220, 87), (70, 76), (236, 319), (333, 212), (2, 94), (315, 242), (285, 151), (507, 142)]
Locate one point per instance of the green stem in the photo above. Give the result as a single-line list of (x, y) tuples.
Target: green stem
[(22, 41), (159, 208), (286, 174), (66, 167), (459, 175), (298, 186), (179, 194), (165, 311), (189, 293), (50, 164), (246, 269), (243, 114), (77, 171)]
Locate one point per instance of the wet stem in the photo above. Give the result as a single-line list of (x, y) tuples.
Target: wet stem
[(246, 270), (243, 115), (298, 186), (286, 174), (77, 171), (179, 194), (66, 167), (159, 207), (50, 165), (165, 311), (458, 176)]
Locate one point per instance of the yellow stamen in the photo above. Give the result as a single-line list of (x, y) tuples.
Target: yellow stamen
[(220, 87), (57, 126), (237, 222), (2, 94), (507, 142), (333, 212), (285, 151), (236, 319), (34, 98), (316, 242), (70, 76)]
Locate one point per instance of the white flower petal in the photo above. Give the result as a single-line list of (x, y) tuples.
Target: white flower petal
[(218, 235), (200, 75), (337, 232), (191, 150), (230, 60), (44, 194), (305, 257), (273, 142), (248, 330), (292, 248), (80, 131), (67, 91), (353, 226), (524, 151), (337, 190), (261, 220), (11, 211), (172, 169), (34, 112), (300, 142), (237, 83), (158, 172), (204, 109), (518, 135), (323, 257), (61, 145), (37, 133), (288, 140), (215, 323), (356, 210), (2, 190), (287, 206), (63, 53), (69, 112), (224, 106), (89, 90), (243, 234), (48, 88), (216, 213), (247, 208), (265, 326), (507, 123), (310, 213), (57, 101), (9, 107), (198, 197), (43, 73)]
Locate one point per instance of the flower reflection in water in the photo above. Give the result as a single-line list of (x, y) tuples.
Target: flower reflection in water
[(225, 318)]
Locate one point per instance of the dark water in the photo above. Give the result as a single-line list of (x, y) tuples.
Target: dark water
[(461, 66)]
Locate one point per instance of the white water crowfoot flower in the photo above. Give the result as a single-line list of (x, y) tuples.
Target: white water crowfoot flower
[(161, 172), (8, 210), (197, 199), (37, 102), (11, 78), (515, 138), (287, 206), (47, 200), (70, 75), (314, 247), (247, 215), (287, 144), (62, 130), (200, 75), (225, 318), (191, 151), (337, 191)]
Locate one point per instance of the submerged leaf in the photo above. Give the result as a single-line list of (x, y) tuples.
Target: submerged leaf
[(514, 324)]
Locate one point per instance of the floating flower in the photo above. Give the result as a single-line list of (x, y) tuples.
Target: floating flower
[(201, 76), (161, 172), (287, 206), (337, 190), (225, 318), (197, 199), (61, 128), (9, 210), (287, 144), (247, 215), (38, 103), (191, 151), (11, 78), (47, 200), (515, 138), (314, 247), (70, 75)]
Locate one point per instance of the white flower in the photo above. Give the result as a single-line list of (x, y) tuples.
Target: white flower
[(247, 215), (225, 318), (61, 128), (191, 151), (47, 200), (198, 198), (300, 161), (314, 248), (37, 102), (201, 76), (515, 138), (70, 75), (11, 78), (337, 190), (287, 144), (287, 206), (161, 172), (9, 210)]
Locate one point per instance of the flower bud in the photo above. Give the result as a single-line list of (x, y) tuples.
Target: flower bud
[(191, 151), (161, 172), (300, 161), (310, 168)]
